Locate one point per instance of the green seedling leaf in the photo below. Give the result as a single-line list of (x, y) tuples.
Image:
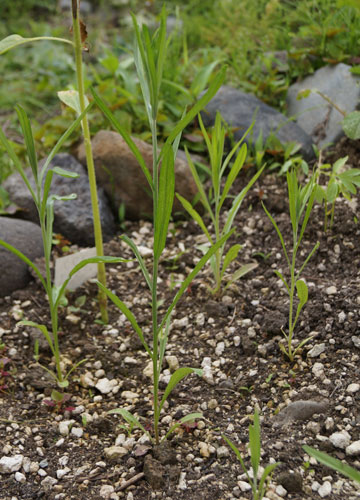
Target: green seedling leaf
[(303, 94), (302, 292), (230, 257), (25, 259), (176, 377), (191, 417), (57, 396), (71, 98), (122, 131), (334, 463), (242, 271), (13, 41), (202, 77), (140, 260), (239, 457), (125, 310), (265, 475), (235, 169), (65, 173), (203, 197), (195, 215), (43, 330), (29, 140), (351, 125), (255, 443), (165, 202), (129, 418), (339, 164)]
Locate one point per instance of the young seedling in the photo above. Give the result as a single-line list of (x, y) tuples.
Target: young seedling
[(258, 484), (150, 52), (333, 463), (77, 101), (213, 202), (301, 200), (38, 183), (341, 182)]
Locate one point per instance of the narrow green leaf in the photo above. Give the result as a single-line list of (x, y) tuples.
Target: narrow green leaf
[(239, 457), (235, 169), (175, 378), (203, 198), (202, 77), (43, 330), (65, 173), (140, 260), (266, 475), (135, 150), (193, 273), (29, 140), (13, 41), (241, 272), (191, 417), (334, 463), (279, 275), (195, 215), (278, 233), (129, 418), (165, 202), (255, 443), (229, 257), (125, 310)]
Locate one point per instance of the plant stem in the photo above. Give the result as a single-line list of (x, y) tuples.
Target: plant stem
[(89, 160)]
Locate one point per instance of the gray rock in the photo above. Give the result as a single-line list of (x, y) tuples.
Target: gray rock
[(85, 7), (239, 109), (73, 219), (26, 237), (300, 410), (315, 115), (120, 174)]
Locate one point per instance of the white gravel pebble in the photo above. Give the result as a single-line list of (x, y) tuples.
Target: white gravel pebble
[(77, 432), (325, 489), (64, 427), (130, 361), (200, 319), (281, 491), (318, 370), (104, 385), (172, 362), (106, 490), (60, 473), (331, 290), (204, 449), (114, 452), (316, 350), (181, 323), (11, 464), (129, 395), (144, 251), (340, 439), (237, 340), (20, 477), (48, 483), (356, 341), (352, 388), (207, 371), (222, 451), (220, 348), (182, 483), (244, 486), (353, 449)]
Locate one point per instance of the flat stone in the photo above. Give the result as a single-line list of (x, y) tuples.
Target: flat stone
[(11, 464), (325, 489), (114, 452), (316, 350), (26, 237), (340, 439), (317, 117), (239, 109), (104, 386)]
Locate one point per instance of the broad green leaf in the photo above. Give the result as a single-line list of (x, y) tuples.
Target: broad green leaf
[(175, 378), (57, 396), (195, 215), (140, 260), (319, 193), (13, 41), (229, 257), (339, 164), (114, 122), (29, 140), (351, 125), (125, 310), (25, 259), (43, 330), (165, 202), (71, 98), (334, 463), (302, 292)]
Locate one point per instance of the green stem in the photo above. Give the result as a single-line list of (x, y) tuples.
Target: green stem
[(89, 160)]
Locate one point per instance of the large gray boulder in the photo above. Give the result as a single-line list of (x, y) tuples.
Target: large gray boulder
[(120, 174), (26, 237), (73, 219), (314, 114), (238, 109)]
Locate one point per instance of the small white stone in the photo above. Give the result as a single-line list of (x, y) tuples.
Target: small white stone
[(325, 489), (26, 464), (236, 340), (77, 432), (182, 483), (316, 350), (244, 486), (356, 341), (340, 439), (200, 319), (318, 370), (64, 460), (281, 491), (42, 472), (11, 464), (222, 451), (204, 449), (130, 361), (73, 319), (120, 440), (60, 473), (172, 362), (48, 483), (341, 317), (20, 477), (352, 388), (129, 395), (353, 449), (114, 452), (148, 370), (144, 251), (60, 442), (220, 348), (104, 386), (64, 427), (329, 423), (212, 404), (99, 373), (331, 290), (181, 323), (34, 467)]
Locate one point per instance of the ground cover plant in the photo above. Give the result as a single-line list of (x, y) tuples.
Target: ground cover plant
[(73, 447)]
